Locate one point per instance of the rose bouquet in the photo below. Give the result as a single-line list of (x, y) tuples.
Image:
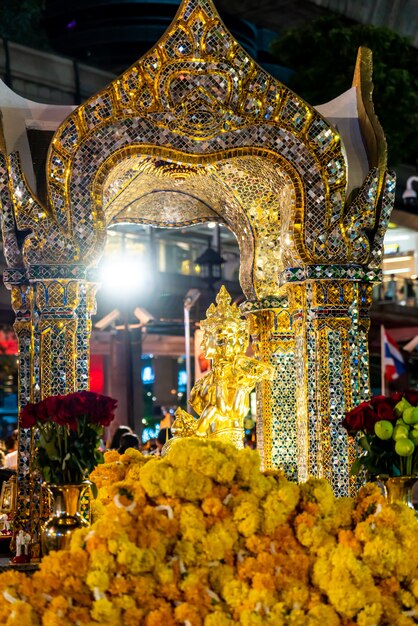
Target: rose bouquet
[(387, 430), (69, 432)]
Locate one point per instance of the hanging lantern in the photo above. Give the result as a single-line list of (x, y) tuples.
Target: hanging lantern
[(210, 263)]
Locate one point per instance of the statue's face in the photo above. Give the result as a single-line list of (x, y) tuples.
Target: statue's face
[(223, 342)]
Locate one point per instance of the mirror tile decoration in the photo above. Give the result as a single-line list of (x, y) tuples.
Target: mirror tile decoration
[(197, 131)]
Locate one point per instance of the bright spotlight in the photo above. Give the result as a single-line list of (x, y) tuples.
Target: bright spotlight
[(122, 275)]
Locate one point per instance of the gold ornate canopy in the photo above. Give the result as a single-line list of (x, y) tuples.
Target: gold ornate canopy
[(197, 131), (197, 128)]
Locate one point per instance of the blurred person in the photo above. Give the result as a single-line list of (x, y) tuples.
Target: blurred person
[(128, 440), (149, 447), (10, 460), (163, 436), (409, 292), (117, 435), (390, 293)]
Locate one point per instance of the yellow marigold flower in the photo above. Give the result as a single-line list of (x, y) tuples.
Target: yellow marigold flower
[(186, 613), (105, 612), (347, 581), (279, 504), (248, 465), (259, 599), (343, 512), (205, 458), (218, 575), (133, 617), (370, 615), (136, 560), (124, 602), (250, 618), (318, 491), (234, 592), (218, 619), (219, 541), (323, 615), (367, 501), (159, 478), (132, 456), (160, 617), (382, 555), (295, 596), (97, 509), (21, 614), (407, 599), (296, 618), (277, 615), (192, 523), (111, 456), (108, 473), (97, 579), (246, 514)]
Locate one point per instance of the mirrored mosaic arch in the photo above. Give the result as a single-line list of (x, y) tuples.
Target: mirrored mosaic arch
[(196, 92)]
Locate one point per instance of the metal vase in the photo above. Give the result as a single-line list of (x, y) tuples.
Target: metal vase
[(65, 517), (399, 489)]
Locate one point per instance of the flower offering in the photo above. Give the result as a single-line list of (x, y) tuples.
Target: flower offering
[(388, 434), (202, 537), (69, 431)]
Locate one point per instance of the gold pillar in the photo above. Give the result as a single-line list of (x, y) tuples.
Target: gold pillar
[(274, 342), (53, 328), (22, 302), (332, 374)]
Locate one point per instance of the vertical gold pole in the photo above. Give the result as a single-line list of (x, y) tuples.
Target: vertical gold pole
[(273, 342), (332, 373)]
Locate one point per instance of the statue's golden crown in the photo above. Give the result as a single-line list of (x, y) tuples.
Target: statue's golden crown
[(223, 314)]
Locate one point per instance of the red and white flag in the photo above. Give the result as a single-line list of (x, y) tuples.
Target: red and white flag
[(392, 360)]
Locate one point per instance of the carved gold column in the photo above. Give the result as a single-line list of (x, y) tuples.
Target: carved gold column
[(53, 328), (62, 328), (332, 372), (274, 342), (22, 302), (85, 309)]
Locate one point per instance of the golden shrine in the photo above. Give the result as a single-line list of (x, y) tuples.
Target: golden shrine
[(196, 131)]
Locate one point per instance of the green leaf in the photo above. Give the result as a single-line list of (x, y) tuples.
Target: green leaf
[(94, 490), (356, 467), (364, 443)]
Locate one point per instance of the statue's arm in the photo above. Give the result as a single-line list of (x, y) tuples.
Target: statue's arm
[(252, 368)]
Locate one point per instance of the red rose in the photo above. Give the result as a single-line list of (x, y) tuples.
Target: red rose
[(49, 406), (103, 410), (376, 401), (64, 415), (384, 406), (76, 404), (385, 412), (397, 396), (362, 417), (28, 416), (412, 396)]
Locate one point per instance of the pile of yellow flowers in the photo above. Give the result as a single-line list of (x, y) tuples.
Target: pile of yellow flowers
[(203, 538)]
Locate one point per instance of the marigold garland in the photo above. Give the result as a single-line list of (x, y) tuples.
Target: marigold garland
[(203, 538)]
